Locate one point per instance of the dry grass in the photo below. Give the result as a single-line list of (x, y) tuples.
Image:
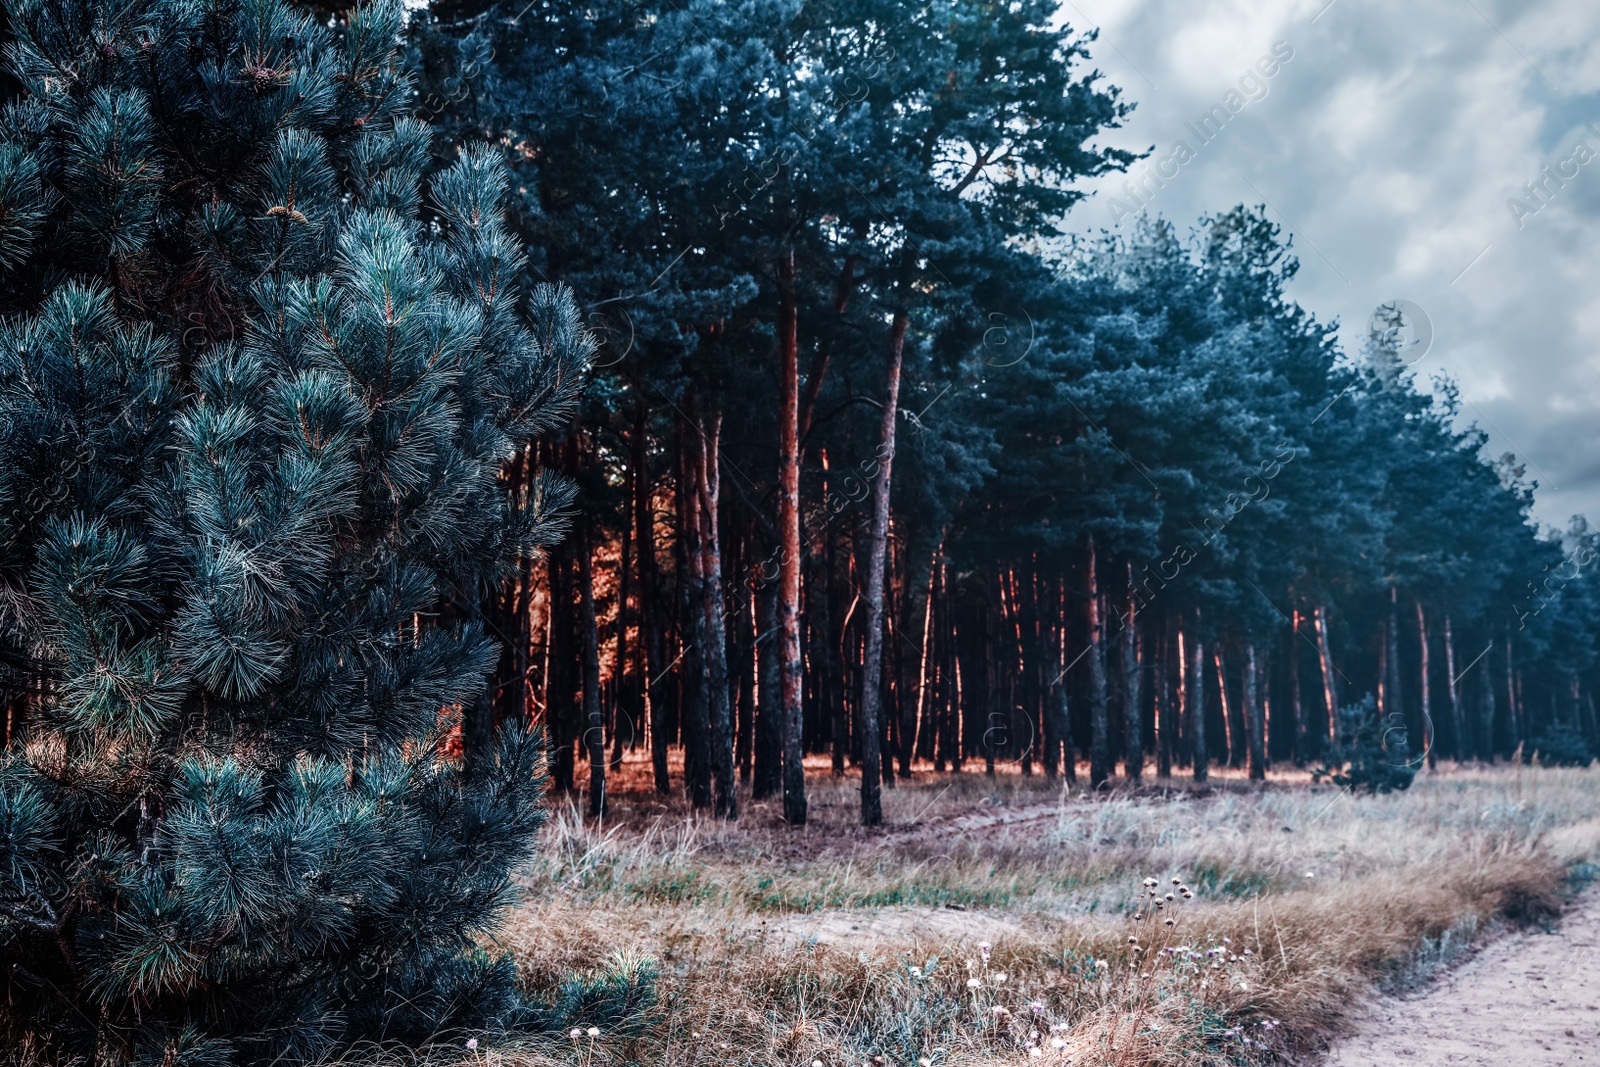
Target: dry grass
[(838, 945)]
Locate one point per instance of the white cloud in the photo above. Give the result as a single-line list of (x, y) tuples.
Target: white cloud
[(1388, 146)]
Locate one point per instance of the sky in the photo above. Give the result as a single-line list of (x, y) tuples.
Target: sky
[(1395, 143)]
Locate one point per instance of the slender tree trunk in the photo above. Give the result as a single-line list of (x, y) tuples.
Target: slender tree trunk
[(1256, 725), (650, 658), (1099, 719), (1513, 711), (794, 780), (559, 690), (1132, 698), (624, 685), (915, 671), (725, 791), (1228, 707), (1166, 714), (1330, 692), (768, 778), (1196, 695), (1394, 703), (1457, 748), (1296, 702), (594, 734), (877, 554), (1428, 740), (1487, 710), (694, 668)]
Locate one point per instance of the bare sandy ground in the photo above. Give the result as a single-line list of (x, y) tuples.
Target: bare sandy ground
[(1525, 1000)]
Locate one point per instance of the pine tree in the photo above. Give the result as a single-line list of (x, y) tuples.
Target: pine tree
[(257, 383)]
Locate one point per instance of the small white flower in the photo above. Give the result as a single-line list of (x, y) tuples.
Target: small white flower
[(999, 976), (973, 983), (472, 1043), (816, 1063), (576, 1033), (1056, 1042), (924, 1062), (594, 1031), (1035, 1052)]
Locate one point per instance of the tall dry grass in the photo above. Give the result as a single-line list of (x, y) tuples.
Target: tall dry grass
[(990, 920)]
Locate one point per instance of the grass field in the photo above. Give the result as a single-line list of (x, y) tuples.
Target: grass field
[(1007, 920)]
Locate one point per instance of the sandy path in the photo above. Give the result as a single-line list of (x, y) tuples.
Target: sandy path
[(1526, 1000)]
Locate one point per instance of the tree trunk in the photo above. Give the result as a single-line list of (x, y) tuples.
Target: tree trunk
[(1228, 707), (877, 554), (1423, 691), (1196, 695), (1393, 703), (693, 667), (794, 774), (1330, 692), (1132, 706), (915, 671), (1099, 720), (768, 778), (1256, 725), (709, 489), (1457, 748), (1513, 712), (1487, 743), (1296, 703), (1166, 717), (594, 734), (650, 658)]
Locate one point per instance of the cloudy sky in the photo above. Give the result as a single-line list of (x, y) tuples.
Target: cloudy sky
[(1389, 145)]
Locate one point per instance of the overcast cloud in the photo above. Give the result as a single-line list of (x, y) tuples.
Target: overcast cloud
[(1389, 144)]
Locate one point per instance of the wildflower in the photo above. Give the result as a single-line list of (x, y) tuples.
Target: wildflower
[(998, 1010), (576, 1033), (594, 1031), (1056, 1042), (973, 983), (816, 1063), (924, 1062), (1132, 940), (1177, 881), (472, 1043), (1171, 897), (916, 972), (1168, 922), (1037, 1007), (999, 976), (1034, 1052)]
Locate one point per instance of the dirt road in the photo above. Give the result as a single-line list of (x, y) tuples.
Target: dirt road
[(1525, 1000)]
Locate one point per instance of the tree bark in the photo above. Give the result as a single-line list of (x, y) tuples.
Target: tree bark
[(1457, 748), (1296, 701), (1099, 719), (650, 658), (1196, 695), (693, 667), (725, 787), (877, 554), (794, 775), (1132, 698), (1330, 692), (1255, 726), (1228, 707), (1423, 691), (768, 778), (1393, 702), (594, 734)]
